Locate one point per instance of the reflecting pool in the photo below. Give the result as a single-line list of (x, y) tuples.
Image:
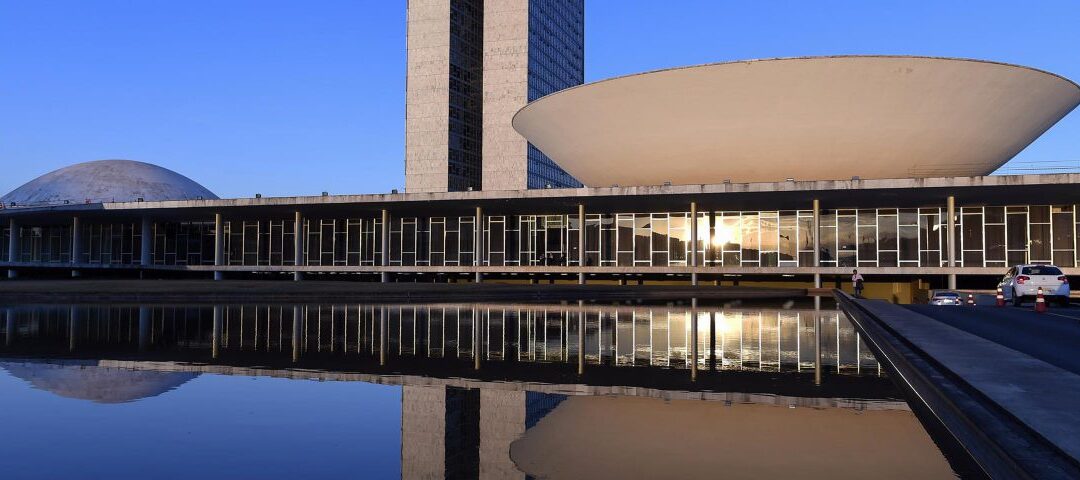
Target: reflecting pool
[(449, 391)]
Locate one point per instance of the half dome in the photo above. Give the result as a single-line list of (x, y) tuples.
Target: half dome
[(814, 118), (107, 181), (95, 383)]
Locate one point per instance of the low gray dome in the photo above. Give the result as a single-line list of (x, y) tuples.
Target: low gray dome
[(107, 181)]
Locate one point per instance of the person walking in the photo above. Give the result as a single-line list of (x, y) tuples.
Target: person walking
[(857, 280)]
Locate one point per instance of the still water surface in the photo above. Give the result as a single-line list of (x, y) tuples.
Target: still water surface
[(449, 391)]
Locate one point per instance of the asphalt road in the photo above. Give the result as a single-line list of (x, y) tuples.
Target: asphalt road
[(1053, 337)]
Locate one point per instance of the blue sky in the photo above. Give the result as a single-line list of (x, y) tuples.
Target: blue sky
[(299, 97)]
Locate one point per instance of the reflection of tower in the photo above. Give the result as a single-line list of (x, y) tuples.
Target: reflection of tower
[(466, 433)]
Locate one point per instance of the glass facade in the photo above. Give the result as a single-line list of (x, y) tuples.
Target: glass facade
[(466, 94), (556, 62), (986, 236)]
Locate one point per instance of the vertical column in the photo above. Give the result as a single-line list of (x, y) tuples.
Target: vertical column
[(382, 335), (215, 336), (9, 326), (581, 338), (478, 239), (712, 341), (581, 243), (75, 320), (817, 242), (297, 331), (219, 246), (693, 339), (478, 337), (950, 235), (76, 244), (13, 246), (817, 345), (384, 235), (146, 237), (693, 243), (298, 245), (144, 328)]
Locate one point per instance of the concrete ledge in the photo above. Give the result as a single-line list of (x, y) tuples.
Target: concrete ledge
[(1013, 413)]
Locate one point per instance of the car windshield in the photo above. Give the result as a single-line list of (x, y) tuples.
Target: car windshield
[(1042, 270)]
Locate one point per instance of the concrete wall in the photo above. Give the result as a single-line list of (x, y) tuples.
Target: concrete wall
[(423, 432), (427, 99), (506, 90)]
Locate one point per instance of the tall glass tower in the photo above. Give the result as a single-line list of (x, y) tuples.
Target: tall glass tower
[(472, 64)]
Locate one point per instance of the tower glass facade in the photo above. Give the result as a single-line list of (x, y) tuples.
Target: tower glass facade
[(556, 62), (466, 94)]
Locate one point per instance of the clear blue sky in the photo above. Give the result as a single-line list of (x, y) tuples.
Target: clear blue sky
[(298, 97)]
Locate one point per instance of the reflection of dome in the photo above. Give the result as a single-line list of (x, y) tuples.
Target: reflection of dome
[(107, 181), (815, 118), (94, 383)]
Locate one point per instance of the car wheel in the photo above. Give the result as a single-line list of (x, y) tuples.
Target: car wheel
[(1017, 300), (1063, 302)]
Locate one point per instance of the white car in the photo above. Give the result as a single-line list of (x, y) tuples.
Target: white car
[(1022, 282), (946, 298)]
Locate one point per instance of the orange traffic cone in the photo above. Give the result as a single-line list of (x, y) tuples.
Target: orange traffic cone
[(1000, 298), (1040, 302), (971, 300)]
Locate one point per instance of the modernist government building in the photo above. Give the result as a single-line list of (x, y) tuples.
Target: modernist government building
[(792, 170)]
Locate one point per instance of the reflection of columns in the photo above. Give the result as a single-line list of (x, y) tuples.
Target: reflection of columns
[(72, 327), (478, 325), (693, 339), (581, 243), (817, 347), (219, 246), (581, 338), (9, 326), (298, 246), (297, 324), (215, 342), (13, 246), (817, 242), (144, 328), (382, 335), (478, 243), (146, 236), (712, 341), (76, 244), (693, 243), (384, 238), (950, 236)]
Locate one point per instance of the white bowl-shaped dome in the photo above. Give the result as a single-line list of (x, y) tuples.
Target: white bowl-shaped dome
[(816, 118), (107, 181)]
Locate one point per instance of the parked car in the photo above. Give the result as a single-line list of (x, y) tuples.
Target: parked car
[(946, 298), (1022, 282)]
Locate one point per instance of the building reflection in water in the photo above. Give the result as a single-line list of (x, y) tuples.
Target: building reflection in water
[(477, 379), (653, 336)]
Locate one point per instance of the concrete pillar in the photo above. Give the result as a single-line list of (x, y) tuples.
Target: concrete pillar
[(219, 246), (950, 235), (581, 244), (693, 243), (384, 238), (817, 241), (76, 244), (478, 239), (74, 321), (298, 245), (13, 246), (9, 326), (144, 328), (297, 331), (146, 238), (215, 336), (478, 337), (581, 338), (693, 339)]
